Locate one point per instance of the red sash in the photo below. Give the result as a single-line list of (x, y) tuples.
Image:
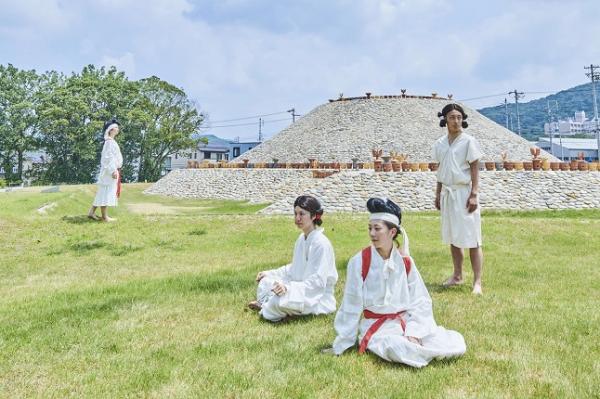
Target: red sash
[(119, 183), (381, 318)]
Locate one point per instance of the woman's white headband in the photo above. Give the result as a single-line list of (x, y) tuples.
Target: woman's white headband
[(388, 217), (109, 128)]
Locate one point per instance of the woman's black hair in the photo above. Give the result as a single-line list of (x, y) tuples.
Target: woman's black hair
[(312, 205), (110, 122), (452, 107), (384, 205)]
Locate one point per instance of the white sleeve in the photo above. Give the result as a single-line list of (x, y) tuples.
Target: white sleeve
[(280, 272), (419, 322), (434, 154), (473, 151), (347, 319), (108, 163), (321, 263)]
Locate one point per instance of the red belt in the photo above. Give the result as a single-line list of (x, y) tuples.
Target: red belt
[(119, 183), (381, 318)]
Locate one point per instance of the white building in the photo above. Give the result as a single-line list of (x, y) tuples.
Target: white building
[(569, 148), (578, 125)]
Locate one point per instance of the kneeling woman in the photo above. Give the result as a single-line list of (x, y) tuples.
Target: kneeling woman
[(306, 285), (384, 287)]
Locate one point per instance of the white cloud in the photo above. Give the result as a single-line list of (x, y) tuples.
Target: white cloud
[(235, 60)]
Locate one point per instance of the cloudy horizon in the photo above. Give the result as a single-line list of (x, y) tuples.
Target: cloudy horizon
[(242, 58)]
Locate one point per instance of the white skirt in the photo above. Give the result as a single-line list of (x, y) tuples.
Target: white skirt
[(390, 344), (459, 227), (106, 195)]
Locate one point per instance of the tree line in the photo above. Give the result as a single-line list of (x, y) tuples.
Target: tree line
[(63, 115)]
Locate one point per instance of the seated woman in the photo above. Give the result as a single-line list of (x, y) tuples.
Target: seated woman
[(306, 285), (383, 286)]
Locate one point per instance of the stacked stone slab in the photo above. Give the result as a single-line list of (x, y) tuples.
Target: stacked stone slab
[(350, 129), (254, 185), (348, 191)]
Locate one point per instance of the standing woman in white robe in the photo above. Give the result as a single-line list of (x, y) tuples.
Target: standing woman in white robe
[(109, 178), (386, 303), (306, 285), (457, 193)]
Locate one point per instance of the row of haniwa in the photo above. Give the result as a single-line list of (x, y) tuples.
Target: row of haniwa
[(543, 165)]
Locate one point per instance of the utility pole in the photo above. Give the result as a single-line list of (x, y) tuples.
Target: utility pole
[(294, 114), (518, 95), (594, 75), (261, 123), (506, 111), (550, 128)]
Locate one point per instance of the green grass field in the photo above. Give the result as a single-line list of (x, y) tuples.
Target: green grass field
[(154, 305)]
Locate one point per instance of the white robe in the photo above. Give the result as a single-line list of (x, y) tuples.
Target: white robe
[(387, 289), (110, 161), (310, 281), (459, 227)]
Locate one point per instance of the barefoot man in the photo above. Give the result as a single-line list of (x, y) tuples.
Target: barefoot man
[(456, 194)]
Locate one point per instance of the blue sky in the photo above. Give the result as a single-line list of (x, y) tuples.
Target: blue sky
[(239, 58)]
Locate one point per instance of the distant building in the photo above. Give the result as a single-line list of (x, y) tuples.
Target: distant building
[(569, 148), (217, 149), (31, 160), (578, 125)]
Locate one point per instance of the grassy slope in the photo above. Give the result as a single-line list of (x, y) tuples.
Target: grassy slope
[(153, 305)]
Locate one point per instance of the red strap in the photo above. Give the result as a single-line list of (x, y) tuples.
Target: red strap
[(119, 184), (366, 262), (381, 318), (407, 264)]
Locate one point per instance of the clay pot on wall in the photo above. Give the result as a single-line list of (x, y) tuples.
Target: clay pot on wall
[(433, 166), (424, 167), (490, 166), (545, 164), (574, 164), (378, 165), (565, 166), (414, 166), (405, 166), (499, 165), (518, 165), (396, 165), (509, 165), (528, 165), (387, 167), (593, 166), (582, 166), (554, 166), (536, 164)]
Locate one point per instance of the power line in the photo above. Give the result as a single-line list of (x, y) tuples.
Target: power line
[(246, 124), (249, 117)]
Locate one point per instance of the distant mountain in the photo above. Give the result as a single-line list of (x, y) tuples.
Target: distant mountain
[(534, 114)]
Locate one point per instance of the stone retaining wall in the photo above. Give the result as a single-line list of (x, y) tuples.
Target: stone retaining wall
[(348, 191)]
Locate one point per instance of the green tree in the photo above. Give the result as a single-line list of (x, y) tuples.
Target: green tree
[(19, 97), (72, 112), (167, 122)]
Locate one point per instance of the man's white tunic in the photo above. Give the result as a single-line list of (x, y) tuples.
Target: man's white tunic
[(459, 227)]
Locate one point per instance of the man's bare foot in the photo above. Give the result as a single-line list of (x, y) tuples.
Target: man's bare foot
[(108, 219), (477, 289), (254, 305), (452, 281), (92, 216)]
